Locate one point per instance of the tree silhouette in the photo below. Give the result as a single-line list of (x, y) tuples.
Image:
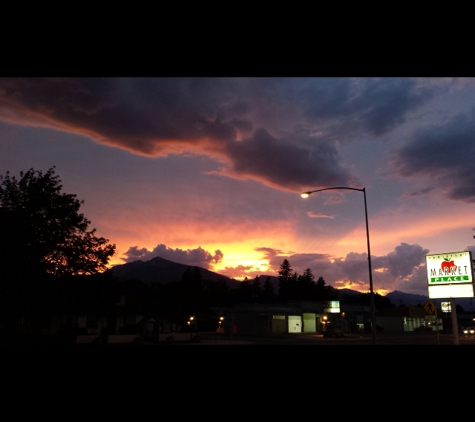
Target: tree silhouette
[(285, 271), (285, 280), (42, 231), (268, 295), (43, 240), (321, 291), (256, 290), (245, 291), (306, 286), (192, 290), (380, 302)]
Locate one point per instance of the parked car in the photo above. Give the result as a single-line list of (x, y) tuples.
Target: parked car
[(469, 330)]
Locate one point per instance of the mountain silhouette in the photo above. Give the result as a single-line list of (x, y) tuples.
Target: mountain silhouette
[(164, 271)]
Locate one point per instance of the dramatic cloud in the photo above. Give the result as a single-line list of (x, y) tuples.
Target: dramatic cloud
[(384, 103), (194, 257), (403, 269), (220, 163), (444, 153), (354, 267), (281, 163), (405, 258), (238, 121)]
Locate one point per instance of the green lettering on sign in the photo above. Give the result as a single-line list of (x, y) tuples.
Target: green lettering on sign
[(449, 279)]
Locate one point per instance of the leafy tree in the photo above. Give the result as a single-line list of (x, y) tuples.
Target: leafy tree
[(45, 248), (42, 231)]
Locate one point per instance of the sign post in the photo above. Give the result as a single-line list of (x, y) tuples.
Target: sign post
[(450, 275), (455, 329), (437, 327), (431, 308)]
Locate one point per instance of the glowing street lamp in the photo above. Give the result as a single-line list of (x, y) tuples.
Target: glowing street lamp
[(220, 322), (324, 322), (220, 328), (373, 317), (192, 322)]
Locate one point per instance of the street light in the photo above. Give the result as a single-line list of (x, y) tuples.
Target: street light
[(373, 317), (220, 322), (324, 323), (192, 323)]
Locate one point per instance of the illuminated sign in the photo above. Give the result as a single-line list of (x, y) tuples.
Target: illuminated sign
[(331, 306), (445, 291), (450, 275), (445, 306), (449, 268)]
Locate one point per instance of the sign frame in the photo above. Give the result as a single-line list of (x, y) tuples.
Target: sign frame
[(450, 275)]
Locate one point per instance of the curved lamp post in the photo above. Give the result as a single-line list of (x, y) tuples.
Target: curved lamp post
[(373, 317)]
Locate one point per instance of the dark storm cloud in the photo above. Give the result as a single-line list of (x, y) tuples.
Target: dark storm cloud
[(405, 259), (310, 162), (416, 282), (281, 131), (195, 257), (374, 105), (135, 113), (354, 267), (444, 152), (384, 103)]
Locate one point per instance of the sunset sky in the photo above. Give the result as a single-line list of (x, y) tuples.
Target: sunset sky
[(208, 171)]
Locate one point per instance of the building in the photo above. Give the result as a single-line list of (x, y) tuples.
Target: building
[(297, 317), (319, 317), (409, 319)]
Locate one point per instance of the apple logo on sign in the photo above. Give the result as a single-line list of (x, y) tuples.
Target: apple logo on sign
[(447, 265)]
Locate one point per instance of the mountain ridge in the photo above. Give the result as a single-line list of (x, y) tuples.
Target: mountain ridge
[(163, 270)]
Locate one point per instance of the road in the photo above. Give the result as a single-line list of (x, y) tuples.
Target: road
[(408, 338)]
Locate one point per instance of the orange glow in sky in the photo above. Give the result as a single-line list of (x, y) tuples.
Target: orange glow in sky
[(209, 171)]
